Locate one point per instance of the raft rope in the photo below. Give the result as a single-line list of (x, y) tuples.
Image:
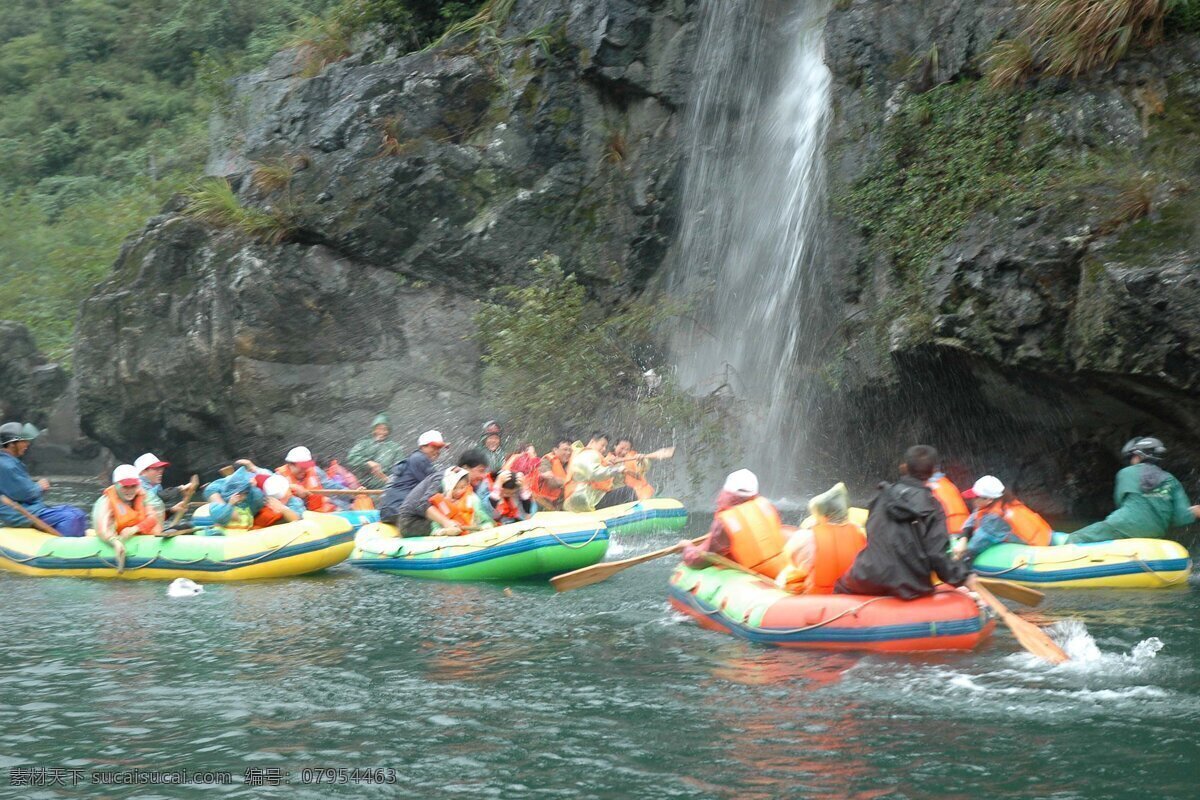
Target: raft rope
[(852, 610), (510, 537), (1128, 556), (113, 565)]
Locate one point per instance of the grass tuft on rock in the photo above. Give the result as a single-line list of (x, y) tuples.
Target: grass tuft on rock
[(1074, 37), (213, 200)]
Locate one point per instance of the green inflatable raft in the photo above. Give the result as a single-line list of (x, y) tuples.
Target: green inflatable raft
[(534, 548)]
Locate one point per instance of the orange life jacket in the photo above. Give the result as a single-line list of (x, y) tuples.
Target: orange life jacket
[(314, 502), (541, 490), (755, 536), (267, 517), (125, 515), (835, 548), (460, 510), (952, 503), (507, 508), (636, 480), (1027, 524)]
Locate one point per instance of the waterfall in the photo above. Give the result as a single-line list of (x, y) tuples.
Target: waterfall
[(748, 249)]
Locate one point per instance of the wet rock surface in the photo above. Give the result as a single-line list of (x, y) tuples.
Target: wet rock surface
[(412, 185)]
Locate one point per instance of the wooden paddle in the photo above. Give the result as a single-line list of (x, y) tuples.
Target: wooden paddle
[(183, 504), (38, 522), (1029, 636), (1012, 591), (601, 572)]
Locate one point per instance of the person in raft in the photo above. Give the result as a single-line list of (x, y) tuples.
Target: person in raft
[(509, 500), (951, 500), (549, 481), (493, 446), (635, 468), (307, 479), (410, 471), (123, 511), (150, 473), (456, 509), (745, 528), (233, 502), (16, 485), (906, 537), (817, 557), (525, 461), (417, 514), (998, 517), (369, 458), (590, 483), (1150, 500)]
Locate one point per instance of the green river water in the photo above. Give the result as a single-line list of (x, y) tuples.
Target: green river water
[(454, 690)]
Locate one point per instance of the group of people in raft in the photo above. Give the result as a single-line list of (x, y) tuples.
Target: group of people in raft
[(488, 485), (921, 526)]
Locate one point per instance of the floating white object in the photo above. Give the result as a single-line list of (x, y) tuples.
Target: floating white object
[(184, 587)]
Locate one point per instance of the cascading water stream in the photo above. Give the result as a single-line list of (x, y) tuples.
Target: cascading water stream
[(749, 246)]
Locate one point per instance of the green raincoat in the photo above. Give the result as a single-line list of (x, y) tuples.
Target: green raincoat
[(1149, 503)]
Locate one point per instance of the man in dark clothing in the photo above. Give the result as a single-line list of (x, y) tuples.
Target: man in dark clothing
[(410, 471), (412, 516), (906, 538)]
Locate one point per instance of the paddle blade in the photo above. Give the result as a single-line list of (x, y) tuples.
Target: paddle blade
[(1028, 635), (601, 572), (1013, 591)]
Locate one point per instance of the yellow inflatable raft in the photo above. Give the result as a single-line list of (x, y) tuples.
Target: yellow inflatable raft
[(310, 544)]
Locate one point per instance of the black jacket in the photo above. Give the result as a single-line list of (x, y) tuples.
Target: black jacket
[(906, 542)]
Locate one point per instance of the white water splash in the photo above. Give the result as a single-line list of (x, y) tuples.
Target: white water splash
[(1086, 656)]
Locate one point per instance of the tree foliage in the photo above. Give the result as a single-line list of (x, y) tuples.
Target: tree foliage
[(103, 116)]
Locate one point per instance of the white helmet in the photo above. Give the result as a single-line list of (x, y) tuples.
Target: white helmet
[(277, 486), (742, 482), (299, 455)]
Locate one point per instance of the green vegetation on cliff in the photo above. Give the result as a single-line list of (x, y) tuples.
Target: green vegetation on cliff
[(103, 116), (556, 359), (946, 154)]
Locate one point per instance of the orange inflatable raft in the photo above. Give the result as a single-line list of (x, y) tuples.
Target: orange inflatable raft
[(754, 608)]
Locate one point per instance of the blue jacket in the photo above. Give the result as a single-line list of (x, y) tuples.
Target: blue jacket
[(235, 483), (406, 475), (992, 529), (16, 484)]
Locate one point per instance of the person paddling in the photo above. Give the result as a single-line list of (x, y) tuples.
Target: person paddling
[(370, 458), (1150, 500), (998, 517), (746, 528), (123, 512), (906, 537), (307, 480), (410, 471), (17, 486)]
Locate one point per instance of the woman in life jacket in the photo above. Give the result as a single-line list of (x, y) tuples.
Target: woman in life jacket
[(746, 528), (123, 512), (998, 517), (817, 557)]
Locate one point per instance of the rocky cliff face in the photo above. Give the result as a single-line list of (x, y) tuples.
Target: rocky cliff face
[(410, 186), (1019, 267)]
